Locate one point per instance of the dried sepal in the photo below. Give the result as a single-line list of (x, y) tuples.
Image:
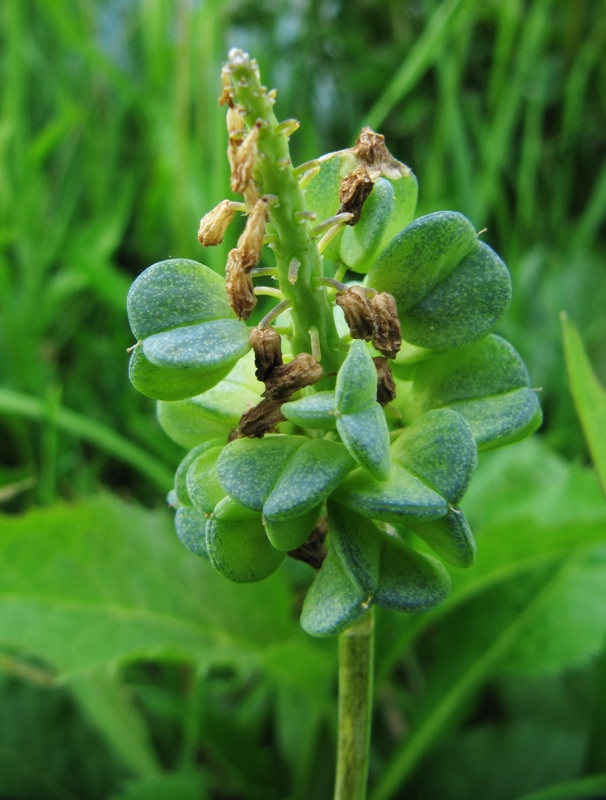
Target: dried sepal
[(388, 336), (386, 387), (286, 379), (353, 192), (238, 283), (214, 224), (358, 312), (267, 346)]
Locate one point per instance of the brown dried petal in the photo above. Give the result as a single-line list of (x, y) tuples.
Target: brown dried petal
[(386, 387), (267, 346), (238, 284), (354, 191), (250, 242), (388, 336), (358, 313), (286, 379), (261, 419), (214, 224)]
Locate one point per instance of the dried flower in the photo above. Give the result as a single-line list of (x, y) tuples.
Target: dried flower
[(214, 224), (386, 387), (286, 379), (358, 313), (388, 336), (242, 160), (267, 346), (354, 191), (238, 284), (260, 419), (250, 242)]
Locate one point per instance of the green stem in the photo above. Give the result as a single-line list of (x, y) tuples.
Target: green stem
[(356, 653)]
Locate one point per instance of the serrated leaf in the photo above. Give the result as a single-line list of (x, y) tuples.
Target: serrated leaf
[(439, 448), (463, 307), (399, 498), (589, 397), (176, 293), (237, 544), (317, 411), (486, 382), (366, 436), (356, 386), (421, 256), (332, 602), (360, 242)]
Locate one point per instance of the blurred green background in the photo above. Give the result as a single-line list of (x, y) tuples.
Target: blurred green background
[(126, 669)]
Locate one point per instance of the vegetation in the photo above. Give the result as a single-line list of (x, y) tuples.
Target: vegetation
[(125, 655)]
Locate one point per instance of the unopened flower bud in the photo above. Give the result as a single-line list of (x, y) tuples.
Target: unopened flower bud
[(214, 224), (386, 387), (388, 336), (354, 191), (238, 284), (250, 242), (267, 346), (284, 380), (358, 313)]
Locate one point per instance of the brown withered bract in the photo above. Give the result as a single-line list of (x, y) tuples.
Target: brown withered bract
[(250, 242), (286, 379), (260, 419), (386, 387), (358, 313), (353, 192), (267, 346), (214, 224), (238, 284), (388, 336)]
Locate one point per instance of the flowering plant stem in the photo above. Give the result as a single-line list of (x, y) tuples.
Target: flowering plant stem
[(356, 657)]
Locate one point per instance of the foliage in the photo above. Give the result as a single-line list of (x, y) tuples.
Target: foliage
[(111, 148)]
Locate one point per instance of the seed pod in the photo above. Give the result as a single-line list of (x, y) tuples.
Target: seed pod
[(214, 224), (267, 346), (388, 334), (358, 312), (353, 192)]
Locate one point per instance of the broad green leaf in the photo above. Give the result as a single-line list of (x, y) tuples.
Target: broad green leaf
[(288, 534), (421, 256), (207, 346), (405, 200), (202, 481), (358, 544), (181, 472), (190, 525), (215, 412), (439, 448), (409, 581), (356, 387), (176, 293), (589, 397), (401, 497), (450, 537), (360, 242), (102, 582), (486, 382), (463, 307), (332, 602), (366, 436), (315, 411), (237, 544)]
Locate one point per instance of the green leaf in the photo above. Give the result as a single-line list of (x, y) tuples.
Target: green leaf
[(401, 497), (95, 583), (317, 411), (450, 537), (332, 601), (360, 242), (181, 472), (405, 200), (421, 256), (173, 294), (439, 448), (358, 544), (237, 544), (203, 486), (486, 382), (356, 386), (366, 436), (288, 534), (589, 397), (465, 306), (165, 787), (214, 413), (190, 525)]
